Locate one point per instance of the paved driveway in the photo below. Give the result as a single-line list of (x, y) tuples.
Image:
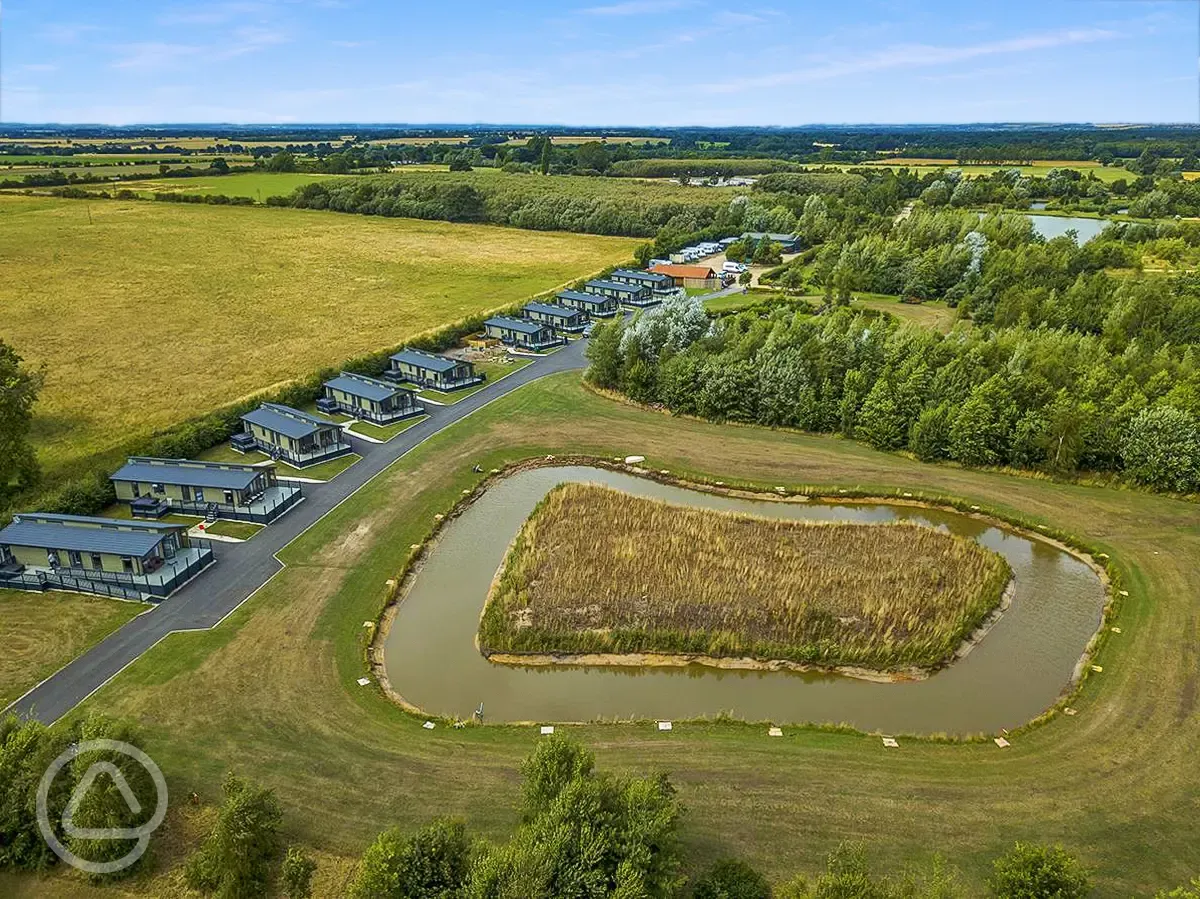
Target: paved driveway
[(244, 567)]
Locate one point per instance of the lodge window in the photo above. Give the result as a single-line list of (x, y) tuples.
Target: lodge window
[(158, 488), (97, 562), (199, 492), (73, 558), (127, 564)]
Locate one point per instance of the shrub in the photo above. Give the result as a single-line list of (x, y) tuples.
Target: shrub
[(731, 879), (430, 864), (1029, 871), (236, 857), (297, 873)]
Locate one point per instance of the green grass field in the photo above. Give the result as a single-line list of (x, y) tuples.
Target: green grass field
[(934, 315), (212, 304), (41, 632), (256, 185), (1107, 174), (272, 692)]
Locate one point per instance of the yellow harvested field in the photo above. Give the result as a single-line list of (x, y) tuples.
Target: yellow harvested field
[(144, 314), (41, 632)]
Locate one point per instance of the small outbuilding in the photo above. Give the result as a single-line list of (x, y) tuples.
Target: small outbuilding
[(369, 399), (694, 276), (563, 319), (431, 370), (522, 333), (594, 305), (788, 243), (286, 433)]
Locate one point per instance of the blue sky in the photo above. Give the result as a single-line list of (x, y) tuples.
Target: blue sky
[(611, 62)]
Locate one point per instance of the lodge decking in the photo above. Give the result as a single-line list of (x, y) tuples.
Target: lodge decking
[(124, 559), (431, 370), (155, 487), (522, 333), (595, 305), (368, 399), (627, 294), (563, 319), (657, 282), (285, 433)]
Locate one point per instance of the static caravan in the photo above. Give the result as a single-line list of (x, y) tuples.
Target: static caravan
[(563, 319), (431, 370), (593, 304), (656, 281), (368, 398), (126, 559), (627, 294), (155, 487), (286, 433), (522, 333)]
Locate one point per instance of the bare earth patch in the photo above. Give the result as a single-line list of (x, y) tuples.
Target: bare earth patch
[(595, 570)]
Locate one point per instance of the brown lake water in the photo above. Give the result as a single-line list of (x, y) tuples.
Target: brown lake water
[(1014, 674)]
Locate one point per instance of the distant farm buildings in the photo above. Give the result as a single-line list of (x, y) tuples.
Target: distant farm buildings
[(694, 276)]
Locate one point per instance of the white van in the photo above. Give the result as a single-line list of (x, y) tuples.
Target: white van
[(734, 268)]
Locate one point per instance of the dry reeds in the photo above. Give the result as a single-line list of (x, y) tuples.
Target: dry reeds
[(597, 570)]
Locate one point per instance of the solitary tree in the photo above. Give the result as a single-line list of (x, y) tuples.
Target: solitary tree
[(18, 391), (236, 858)]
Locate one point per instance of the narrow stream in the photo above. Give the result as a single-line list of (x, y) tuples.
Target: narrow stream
[(1018, 670)]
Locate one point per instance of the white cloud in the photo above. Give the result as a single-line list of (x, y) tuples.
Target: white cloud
[(637, 7), (913, 56)]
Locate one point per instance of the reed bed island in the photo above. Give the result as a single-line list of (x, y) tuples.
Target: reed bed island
[(597, 572)]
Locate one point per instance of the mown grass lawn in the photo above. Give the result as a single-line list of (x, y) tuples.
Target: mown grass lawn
[(41, 632), (211, 304), (934, 315), (242, 530), (321, 471), (386, 432), (272, 692)]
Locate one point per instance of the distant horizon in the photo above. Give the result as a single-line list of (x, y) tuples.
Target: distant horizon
[(587, 128), (646, 63)]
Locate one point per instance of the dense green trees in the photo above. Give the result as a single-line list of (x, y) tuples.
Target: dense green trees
[(582, 833), (19, 388), (27, 748), (1044, 398)]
